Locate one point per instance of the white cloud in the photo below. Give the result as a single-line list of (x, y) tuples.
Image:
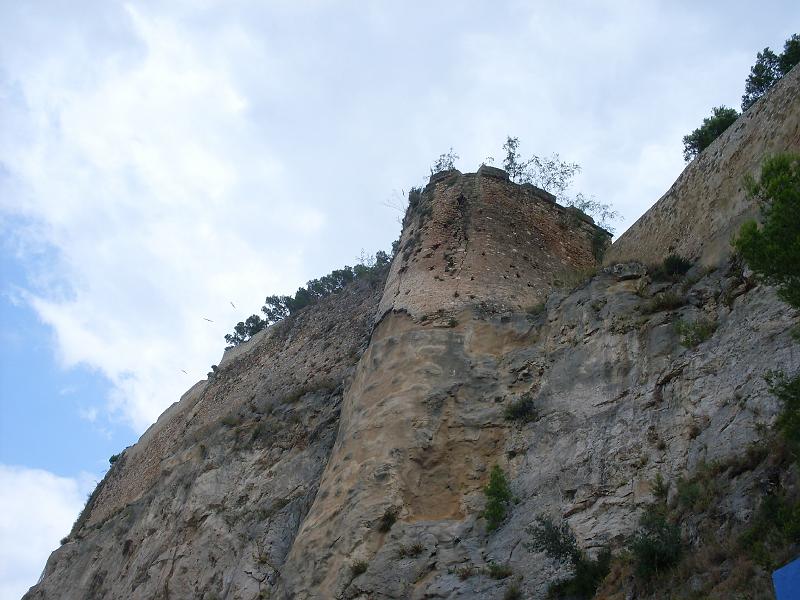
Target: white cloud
[(162, 160), (37, 509), (161, 205)]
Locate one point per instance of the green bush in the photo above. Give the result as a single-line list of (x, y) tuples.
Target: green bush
[(114, 458), (657, 545), (498, 495), (558, 542), (673, 267), (787, 390), (662, 302), (521, 410), (497, 571), (701, 138), (695, 333), (773, 250)]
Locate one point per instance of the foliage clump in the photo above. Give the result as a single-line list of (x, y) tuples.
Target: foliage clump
[(558, 542), (445, 162), (769, 68), (277, 308), (773, 249), (555, 176), (522, 410), (388, 519), (712, 127), (672, 269), (787, 390), (696, 332), (498, 495), (657, 545)]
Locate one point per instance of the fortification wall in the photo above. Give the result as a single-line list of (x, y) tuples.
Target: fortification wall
[(311, 350), (707, 204), (478, 237)]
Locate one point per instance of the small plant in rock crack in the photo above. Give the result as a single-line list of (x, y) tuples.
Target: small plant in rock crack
[(696, 332), (388, 519), (498, 571), (521, 410), (359, 567), (410, 551)]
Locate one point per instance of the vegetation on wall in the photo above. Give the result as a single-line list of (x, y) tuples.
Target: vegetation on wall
[(773, 248), (768, 69), (498, 495), (558, 542), (277, 308), (701, 138), (555, 176)]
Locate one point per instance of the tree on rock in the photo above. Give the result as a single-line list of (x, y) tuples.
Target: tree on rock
[(721, 118), (773, 249), (769, 68)]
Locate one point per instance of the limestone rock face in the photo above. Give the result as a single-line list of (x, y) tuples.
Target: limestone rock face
[(707, 204), (343, 453)]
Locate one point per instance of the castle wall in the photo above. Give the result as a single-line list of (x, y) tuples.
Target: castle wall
[(707, 204), (479, 238)]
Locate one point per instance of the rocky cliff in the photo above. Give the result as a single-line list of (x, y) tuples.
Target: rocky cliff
[(344, 452)]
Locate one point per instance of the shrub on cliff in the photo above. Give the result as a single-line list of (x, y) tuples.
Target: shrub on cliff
[(769, 68), (657, 545), (773, 249), (558, 542), (721, 118), (498, 495)]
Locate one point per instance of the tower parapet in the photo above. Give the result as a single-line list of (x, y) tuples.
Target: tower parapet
[(480, 238)]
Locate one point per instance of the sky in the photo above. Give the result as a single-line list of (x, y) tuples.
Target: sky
[(166, 165)]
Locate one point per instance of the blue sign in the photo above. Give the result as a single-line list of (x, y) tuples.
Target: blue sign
[(787, 581)]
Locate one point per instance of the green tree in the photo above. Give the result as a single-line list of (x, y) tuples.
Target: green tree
[(721, 118), (498, 495), (773, 249), (555, 176), (768, 69), (445, 162), (763, 76), (790, 55)]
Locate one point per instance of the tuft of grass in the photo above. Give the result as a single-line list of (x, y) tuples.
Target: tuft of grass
[(521, 410), (661, 302), (497, 571), (410, 551), (673, 267), (513, 592), (359, 567), (696, 332), (465, 572), (388, 519)]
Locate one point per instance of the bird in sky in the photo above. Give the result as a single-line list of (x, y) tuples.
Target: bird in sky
[(209, 320), (233, 305)]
